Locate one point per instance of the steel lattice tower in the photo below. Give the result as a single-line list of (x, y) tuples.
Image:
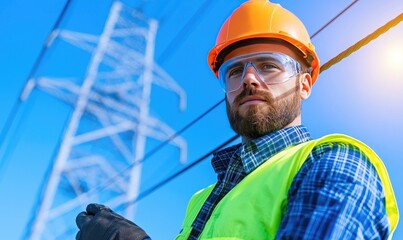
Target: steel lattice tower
[(106, 135)]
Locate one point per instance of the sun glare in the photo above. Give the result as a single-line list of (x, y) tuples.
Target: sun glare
[(395, 58)]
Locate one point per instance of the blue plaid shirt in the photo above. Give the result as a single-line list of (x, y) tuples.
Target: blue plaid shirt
[(337, 193)]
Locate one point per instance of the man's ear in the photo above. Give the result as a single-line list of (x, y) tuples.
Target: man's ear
[(305, 86)]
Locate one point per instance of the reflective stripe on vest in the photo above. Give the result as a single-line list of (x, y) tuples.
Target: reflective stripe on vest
[(238, 216)]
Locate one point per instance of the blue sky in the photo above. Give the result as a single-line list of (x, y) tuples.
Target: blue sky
[(360, 96)]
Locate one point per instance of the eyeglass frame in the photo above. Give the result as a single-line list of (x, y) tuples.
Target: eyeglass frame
[(249, 62)]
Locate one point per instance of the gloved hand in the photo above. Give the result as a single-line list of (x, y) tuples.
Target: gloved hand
[(101, 223)]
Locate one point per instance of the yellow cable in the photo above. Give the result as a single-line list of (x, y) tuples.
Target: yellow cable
[(362, 42)]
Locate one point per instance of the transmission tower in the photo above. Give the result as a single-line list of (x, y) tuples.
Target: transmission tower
[(106, 135)]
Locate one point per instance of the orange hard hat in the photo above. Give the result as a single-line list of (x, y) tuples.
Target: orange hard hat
[(261, 19)]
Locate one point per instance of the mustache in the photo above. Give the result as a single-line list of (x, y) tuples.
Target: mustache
[(267, 96), (253, 91)]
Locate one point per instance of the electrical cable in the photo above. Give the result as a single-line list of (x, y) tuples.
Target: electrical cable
[(337, 16), (178, 173), (4, 132), (362, 42), (156, 149), (13, 140)]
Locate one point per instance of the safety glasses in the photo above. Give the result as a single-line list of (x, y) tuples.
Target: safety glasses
[(270, 67)]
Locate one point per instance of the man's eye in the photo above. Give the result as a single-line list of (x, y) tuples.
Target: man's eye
[(268, 66), (235, 72)]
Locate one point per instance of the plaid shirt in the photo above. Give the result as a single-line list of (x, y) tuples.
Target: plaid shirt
[(337, 193)]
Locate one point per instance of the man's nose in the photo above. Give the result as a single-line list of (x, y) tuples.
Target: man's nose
[(251, 77)]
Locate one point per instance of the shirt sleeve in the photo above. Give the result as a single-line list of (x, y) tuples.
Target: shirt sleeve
[(337, 194)]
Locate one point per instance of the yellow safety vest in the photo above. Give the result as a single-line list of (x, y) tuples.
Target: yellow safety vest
[(244, 213)]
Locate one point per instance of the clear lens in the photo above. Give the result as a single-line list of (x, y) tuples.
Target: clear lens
[(271, 68)]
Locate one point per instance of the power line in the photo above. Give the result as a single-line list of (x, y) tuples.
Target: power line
[(6, 153), (337, 16), (194, 121), (178, 173), (362, 42)]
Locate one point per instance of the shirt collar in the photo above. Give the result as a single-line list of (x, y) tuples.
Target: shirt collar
[(257, 151)]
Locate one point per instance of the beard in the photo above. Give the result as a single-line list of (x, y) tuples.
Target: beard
[(259, 120)]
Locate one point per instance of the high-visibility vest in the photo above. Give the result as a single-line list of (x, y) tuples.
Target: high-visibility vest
[(253, 209)]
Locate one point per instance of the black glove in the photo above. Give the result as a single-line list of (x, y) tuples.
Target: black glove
[(101, 223)]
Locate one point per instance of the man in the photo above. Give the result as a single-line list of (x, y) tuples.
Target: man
[(278, 183)]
